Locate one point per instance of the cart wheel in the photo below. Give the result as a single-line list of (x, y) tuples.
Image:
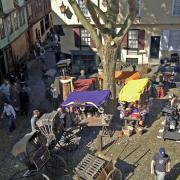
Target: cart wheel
[(114, 174), (34, 144), (56, 166), (29, 175), (71, 141)]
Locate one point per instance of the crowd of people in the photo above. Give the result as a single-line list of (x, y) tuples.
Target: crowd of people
[(15, 98)]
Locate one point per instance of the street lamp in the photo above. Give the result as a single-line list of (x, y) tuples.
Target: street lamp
[(63, 8)]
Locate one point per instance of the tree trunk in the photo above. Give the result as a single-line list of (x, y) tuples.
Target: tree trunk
[(109, 58)]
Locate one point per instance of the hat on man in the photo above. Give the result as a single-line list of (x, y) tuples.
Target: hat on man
[(162, 151)]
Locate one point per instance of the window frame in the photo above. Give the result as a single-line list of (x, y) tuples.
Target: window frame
[(88, 36), (2, 30), (16, 23), (137, 39), (83, 8), (173, 5), (139, 2), (169, 46), (10, 29)]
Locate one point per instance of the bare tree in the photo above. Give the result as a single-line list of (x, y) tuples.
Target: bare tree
[(107, 39)]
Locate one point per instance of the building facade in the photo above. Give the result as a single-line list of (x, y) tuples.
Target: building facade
[(39, 19), (155, 33), (13, 34)]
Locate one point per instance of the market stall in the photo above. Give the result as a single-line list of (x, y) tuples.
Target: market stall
[(122, 76), (89, 108), (134, 104)]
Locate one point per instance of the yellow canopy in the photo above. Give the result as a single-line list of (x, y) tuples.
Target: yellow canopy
[(132, 91)]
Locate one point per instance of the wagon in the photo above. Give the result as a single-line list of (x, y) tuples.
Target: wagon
[(95, 168), (38, 160)]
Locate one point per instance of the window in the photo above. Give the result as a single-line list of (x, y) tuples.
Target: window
[(85, 37), (174, 40), (10, 26), (176, 8), (46, 22), (22, 17), (16, 26), (83, 8), (29, 10), (138, 8), (133, 39), (2, 31), (42, 27)]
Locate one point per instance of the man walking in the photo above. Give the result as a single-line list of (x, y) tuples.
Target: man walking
[(10, 114), (160, 164), (34, 118)]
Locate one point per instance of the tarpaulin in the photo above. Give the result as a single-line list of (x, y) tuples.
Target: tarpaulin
[(90, 98), (132, 91), (123, 75), (83, 84)]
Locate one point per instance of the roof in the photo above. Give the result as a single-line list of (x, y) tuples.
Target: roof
[(132, 91), (89, 98)]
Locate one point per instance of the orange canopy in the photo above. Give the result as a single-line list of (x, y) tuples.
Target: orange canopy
[(125, 75)]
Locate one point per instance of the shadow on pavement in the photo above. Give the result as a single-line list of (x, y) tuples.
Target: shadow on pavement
[(174, 173)]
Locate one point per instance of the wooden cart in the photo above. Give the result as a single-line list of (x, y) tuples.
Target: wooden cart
[(95, 168)]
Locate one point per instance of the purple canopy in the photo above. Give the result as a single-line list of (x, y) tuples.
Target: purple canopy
[(89, 98)]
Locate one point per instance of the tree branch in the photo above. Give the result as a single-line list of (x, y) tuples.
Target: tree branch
[(101, 14), (93, 14), (127, 23), (85, 22)]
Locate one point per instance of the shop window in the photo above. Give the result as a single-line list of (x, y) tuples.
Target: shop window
[(42, 27), (10, 26), (16, 25), (47, 21)]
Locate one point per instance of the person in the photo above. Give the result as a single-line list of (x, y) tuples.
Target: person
[(159, 164), (134, 67), (82, 74), (5, 89), (15, 96), (55, 97), (10, 114), (34, 118), (24, 102), (62, 116)]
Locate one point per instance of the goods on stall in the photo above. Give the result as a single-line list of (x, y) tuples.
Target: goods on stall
[(134, 110)]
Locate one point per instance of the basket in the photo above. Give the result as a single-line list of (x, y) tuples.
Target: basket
[(139, 130), (127, 132)]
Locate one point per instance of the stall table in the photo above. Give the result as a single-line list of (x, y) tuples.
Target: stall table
[(97, 122)]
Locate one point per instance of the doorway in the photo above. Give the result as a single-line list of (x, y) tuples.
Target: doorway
[(155, 45)]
